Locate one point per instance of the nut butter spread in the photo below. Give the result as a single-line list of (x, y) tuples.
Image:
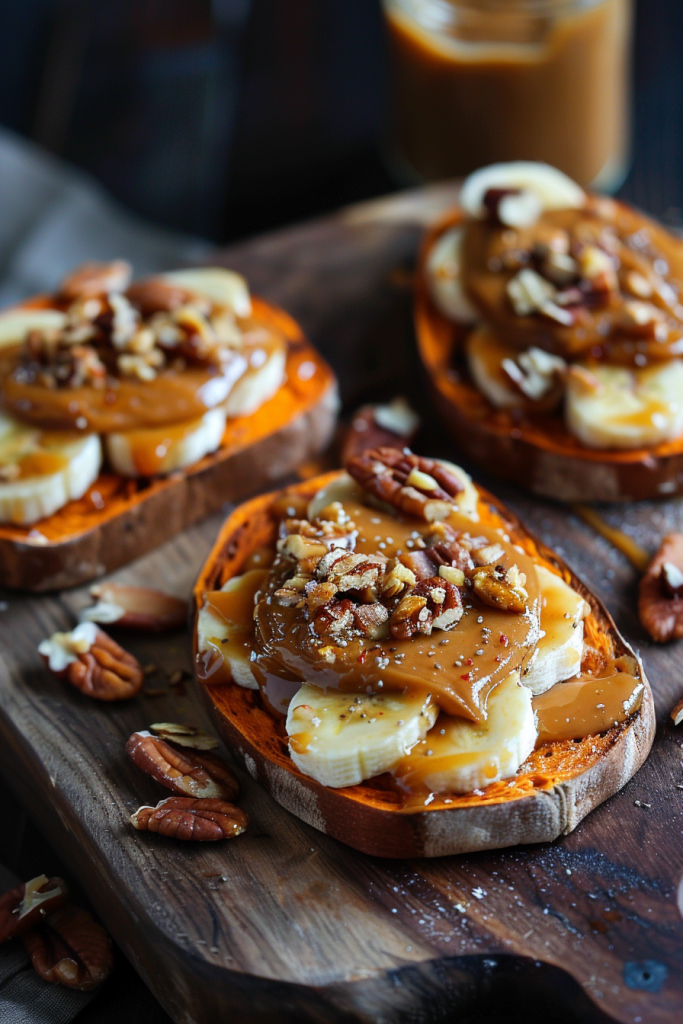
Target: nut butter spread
[(388, 596)]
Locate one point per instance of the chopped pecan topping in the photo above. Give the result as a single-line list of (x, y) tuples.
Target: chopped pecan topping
[(186, 818), (434, 603), (415, 485), (350, 570), (135, 608), (91, 279), (70, 949), (371, 619), (499, 588), (192, 772), (397, 578), (23, 906), (93, 663), (538, 375), (56, 362), (660, 600), (155, 295), (184, 735)]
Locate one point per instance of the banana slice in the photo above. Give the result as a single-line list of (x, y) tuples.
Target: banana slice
[(344, 488), (458, 756), (156, 451), (16, 323), (485, 354), (225, 626), (265, 373), (445, 283), (41, 471), (339, 739), (553, 189), (619, 407), (558, 653), (221, 286)]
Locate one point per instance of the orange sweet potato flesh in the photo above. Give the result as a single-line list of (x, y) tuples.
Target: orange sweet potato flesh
[(245, 720)]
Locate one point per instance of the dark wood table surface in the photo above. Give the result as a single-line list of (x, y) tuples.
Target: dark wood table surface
[(369, 363)]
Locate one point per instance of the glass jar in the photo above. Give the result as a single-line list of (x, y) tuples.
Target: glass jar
[(478, 81)]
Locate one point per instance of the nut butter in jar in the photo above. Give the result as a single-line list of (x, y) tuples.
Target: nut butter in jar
[(481, 81)]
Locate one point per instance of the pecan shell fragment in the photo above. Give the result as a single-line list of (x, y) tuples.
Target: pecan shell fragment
[(22, 907), (417, 486), (187, 818), (135, 608), (70, 949), (194, 773), (660, 606)]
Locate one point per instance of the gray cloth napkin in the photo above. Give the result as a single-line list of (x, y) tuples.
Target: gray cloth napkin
[(24, 997), (53, 217)]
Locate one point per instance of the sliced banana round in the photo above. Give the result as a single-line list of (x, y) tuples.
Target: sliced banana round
[(553, 189), (485, 356), (339, 739), (345, 488), (224, 287), (41, 471), (458, 756), (16, 323), (265, 374), (558, 653), (444, 275), (157, 451), (620, 407), (225, 626)]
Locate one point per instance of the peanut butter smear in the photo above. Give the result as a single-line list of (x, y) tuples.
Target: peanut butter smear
[(614, 279), (590, 704), (177, 393), (459, 666)]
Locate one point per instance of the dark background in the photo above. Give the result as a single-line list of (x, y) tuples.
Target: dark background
[(230, 117)]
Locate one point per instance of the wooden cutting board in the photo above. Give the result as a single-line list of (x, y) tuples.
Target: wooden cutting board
[(285, 924)]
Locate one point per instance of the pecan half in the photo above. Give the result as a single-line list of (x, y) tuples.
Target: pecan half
[(660, 606), (184, 818), (154, 295), (415, 485), (434, 603), (93, 663), (375, 426), (71, 949), (23, 906), (135, 608), (95, 279), (184, 735), (677, 713), (192, 772), (499, 588)]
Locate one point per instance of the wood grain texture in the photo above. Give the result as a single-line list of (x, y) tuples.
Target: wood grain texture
[(285, 924)]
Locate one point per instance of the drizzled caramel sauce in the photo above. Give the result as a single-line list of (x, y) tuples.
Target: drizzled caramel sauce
[(459, 667), (588, 705), (235, 607)]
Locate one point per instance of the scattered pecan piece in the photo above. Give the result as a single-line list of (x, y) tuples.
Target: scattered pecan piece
[(71, 949), (184, 735), (434, 603), (334, 617), (375, 426), (677, 713), (192, 772), (185, 818), (499, 588), (154, 295), (135, 608), (23, 906), (95, 279), (415, 485), (350, 570), (660, 606), (371, 619), (93, 663)]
